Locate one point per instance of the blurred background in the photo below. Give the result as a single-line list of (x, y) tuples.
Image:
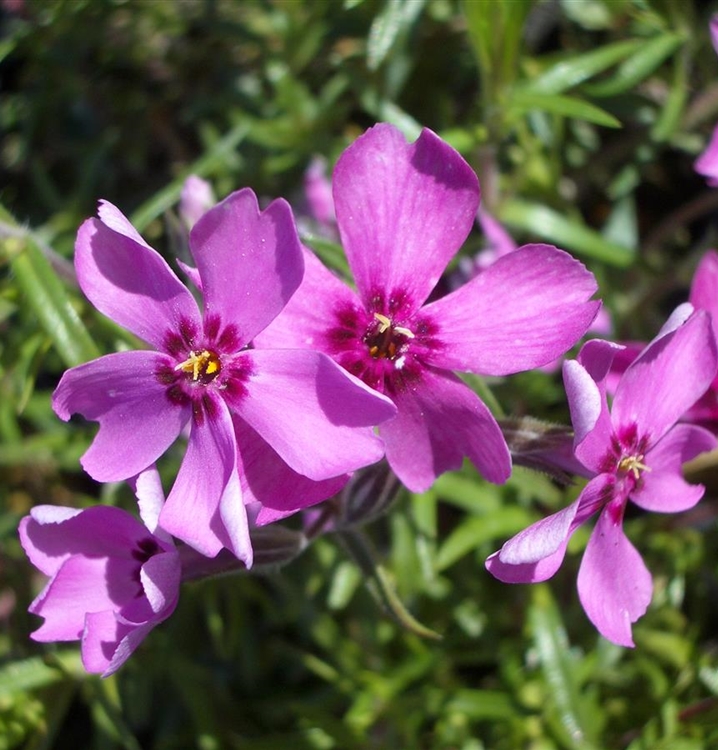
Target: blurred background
[(583, 119)]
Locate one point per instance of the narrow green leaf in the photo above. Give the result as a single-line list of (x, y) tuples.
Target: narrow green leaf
[(558, 668), (48, 298), (579, 68), (567, 106), (639, 65), (570, 234), (483, 704), (393, 21)]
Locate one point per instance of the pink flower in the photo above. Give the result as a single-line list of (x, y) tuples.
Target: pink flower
[(707, 163), (403, 211), (112, 579), (196, 198), (282, 419), (634, 452)]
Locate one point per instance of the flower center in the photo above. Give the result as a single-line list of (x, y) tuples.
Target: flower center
[(385, 340), (633, 465), (203, 366)]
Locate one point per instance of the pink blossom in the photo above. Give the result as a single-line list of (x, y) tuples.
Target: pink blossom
[(112, 579), (196, 198), (634, 452), (403, 211), (267, 421)]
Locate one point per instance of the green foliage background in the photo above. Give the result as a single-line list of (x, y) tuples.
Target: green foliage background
[(582, 119)]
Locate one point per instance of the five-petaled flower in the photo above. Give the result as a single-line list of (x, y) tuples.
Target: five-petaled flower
[(284, 426), (112, 579), (634, 451), (403, 211)]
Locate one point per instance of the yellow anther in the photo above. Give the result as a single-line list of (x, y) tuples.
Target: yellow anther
[(633, 464), (404, 331), (199, 364), (385, 323)]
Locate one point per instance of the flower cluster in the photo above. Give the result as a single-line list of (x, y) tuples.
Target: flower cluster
[(285, 381)]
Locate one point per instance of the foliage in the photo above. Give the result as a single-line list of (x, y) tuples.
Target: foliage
[(582, 120)]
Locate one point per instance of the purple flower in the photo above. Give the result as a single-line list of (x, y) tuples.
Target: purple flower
[(112, 579), (634, 452), (403, 211), (245, 408)]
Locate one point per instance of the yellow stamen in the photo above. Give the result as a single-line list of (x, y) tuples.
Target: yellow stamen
[(385, 324), (634, 465), (199, 364)]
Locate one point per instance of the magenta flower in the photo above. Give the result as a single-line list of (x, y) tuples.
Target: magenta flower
[(112, 579), (306, 412), (634, 452), (403, 211)]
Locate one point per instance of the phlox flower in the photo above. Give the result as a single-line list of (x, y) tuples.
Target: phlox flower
[(286, 426), (196, 198), (634, 452), (112, 579), (403, 210), (703, 295)]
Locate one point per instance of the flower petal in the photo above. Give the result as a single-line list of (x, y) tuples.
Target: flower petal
[(536, 553), (138, 422), (663, 489), (671, 374), (107, 642), (150, 497), (268, 480), (130, 283), (403, 210), (704, 287), (520, 313), (440, 420), (311, 312), (614, 584), (160, 578), (207, 488), (250, 262), (49, 535), (315, 415), (707, 163), (81, 585), (704, 290), (588, 406)]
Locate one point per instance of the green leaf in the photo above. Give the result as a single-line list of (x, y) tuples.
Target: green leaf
[(393, 21), (639, 65), (35, 672), (567, 106), (49, 300), (570, 234), (558, 665), (579, 68)]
